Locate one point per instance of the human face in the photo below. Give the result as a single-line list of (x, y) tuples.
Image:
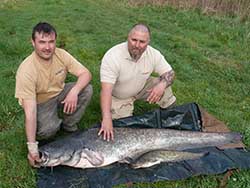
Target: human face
[(137, 43), (44, 45)]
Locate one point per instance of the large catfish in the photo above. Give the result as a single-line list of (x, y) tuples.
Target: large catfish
[(88, 150)]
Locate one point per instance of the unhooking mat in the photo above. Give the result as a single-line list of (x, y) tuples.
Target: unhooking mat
[(185, 117)]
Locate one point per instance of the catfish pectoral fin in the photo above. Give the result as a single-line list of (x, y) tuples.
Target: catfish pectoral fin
[(157, 156), (145, 164), (95, 158)]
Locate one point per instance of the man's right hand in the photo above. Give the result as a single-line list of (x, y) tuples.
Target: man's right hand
[(34, 159), (33, 155), (107, 129)]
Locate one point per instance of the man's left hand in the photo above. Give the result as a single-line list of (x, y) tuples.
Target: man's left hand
[(156, 93), (70, 102)]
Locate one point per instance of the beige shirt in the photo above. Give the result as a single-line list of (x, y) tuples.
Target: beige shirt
[(128, 76), (40, 81)]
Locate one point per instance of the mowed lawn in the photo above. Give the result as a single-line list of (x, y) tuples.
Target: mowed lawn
[(210, 55)]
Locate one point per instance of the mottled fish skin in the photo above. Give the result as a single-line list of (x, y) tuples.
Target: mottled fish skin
[(155, 157), (88, 150)]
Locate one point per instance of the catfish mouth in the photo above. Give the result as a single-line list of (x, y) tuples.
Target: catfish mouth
[(47, 160), (44, 156)]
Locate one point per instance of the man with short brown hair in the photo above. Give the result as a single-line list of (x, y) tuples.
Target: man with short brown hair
[(41, 90)]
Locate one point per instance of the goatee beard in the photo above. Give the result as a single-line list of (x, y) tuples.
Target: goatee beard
[(135, 56)]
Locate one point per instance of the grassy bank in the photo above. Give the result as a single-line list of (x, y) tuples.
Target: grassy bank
[(210, 56)]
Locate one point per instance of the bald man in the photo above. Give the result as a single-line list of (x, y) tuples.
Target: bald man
[(126, 76)]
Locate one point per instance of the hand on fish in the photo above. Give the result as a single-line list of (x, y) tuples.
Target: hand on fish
[(34, 159), (106, 129)]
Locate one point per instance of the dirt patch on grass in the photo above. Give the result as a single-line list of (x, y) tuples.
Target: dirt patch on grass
[(211, 7), (8, 3)]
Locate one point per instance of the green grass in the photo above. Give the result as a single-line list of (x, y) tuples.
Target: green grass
[(210, 56)]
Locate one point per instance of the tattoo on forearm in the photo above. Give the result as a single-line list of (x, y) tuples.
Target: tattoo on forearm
[(167, 77)]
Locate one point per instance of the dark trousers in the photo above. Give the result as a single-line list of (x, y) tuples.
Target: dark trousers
[(48, 121)]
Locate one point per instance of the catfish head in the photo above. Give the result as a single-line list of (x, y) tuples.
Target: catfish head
[(81, 158)]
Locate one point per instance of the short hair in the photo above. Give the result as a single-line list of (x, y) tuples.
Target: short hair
[(141, 27), (43, 27)]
